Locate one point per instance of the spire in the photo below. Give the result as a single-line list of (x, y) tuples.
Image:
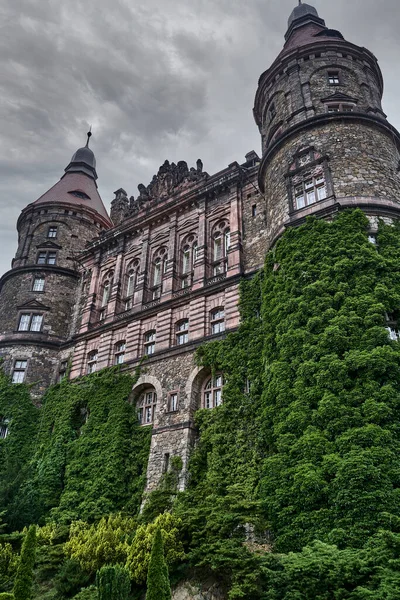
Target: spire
[(83, 161)]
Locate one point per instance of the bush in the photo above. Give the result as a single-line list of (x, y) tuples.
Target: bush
[(113, 583), (6, 596)]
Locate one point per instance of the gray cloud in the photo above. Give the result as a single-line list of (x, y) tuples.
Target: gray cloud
[(162, 79)]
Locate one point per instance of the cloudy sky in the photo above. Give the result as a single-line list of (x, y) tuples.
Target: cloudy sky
[(156, 79)]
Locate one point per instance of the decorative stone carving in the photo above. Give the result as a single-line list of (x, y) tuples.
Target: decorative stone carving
[(119, 206), (170, 179)]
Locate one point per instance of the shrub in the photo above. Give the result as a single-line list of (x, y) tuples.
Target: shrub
[(158, 587), (113, 583), (24, 578)]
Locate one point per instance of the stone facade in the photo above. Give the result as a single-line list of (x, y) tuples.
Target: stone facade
[(162, 277)]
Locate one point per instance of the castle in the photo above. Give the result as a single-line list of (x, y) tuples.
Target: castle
[(160, 276)]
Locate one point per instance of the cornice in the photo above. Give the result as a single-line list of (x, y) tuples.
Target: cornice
[(318, 120), (81, 208)]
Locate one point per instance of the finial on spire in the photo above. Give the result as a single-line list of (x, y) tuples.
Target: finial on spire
[(89, 135), (300, 2)]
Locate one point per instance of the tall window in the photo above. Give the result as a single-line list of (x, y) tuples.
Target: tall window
[(173, 402), (18, 374), (159, 269), (38, 284), (188, 258), (147, 407), (30, 322), (4, 428), (131, 282), (217, 320), (149, 343), (52, 232), (221, 246), (62, 372), (92, 361), (212, 394), (182, 332), (120, 353), (46, 258), (310, 190), (106, 293)]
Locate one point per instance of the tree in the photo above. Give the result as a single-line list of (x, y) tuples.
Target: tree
[(158, 587), (24, 578), (113, 583)]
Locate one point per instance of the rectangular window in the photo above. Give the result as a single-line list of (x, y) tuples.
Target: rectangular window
[(41, 259), (119, 353), (3, 428), (173, 402), (313, 189), (24, 322), (36, 322), (182, 335), (29, 322), (62, 370), (254, 210), (18, 374), (38, 284), (46, 258), (52, 232), (333, 78), (149, 343), (218, 321), (165, 463)]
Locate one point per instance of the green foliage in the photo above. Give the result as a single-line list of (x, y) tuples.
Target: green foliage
[(139, 553), (113, 583), (161, 500), (89, 593), (24, 578), (311, 451), (9, 562), (158, 587), (100, 544), (81, 456), (6, 596), (70, 578)]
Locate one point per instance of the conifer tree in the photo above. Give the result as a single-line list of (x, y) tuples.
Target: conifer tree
[(113, 583), (158, 587), (24, 578)]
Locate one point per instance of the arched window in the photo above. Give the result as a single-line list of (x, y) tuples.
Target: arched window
[(159, 269), (147, 404), (149, 342), (119, 352), (221, 245), (189, 255), (92, 361), (182, 332), (217, 320), (212, 391)]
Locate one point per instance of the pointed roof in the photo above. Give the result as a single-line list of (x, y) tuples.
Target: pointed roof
[(305, 26), (78, 184)]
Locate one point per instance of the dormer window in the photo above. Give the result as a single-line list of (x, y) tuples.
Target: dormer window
[(308, 179), (333, 77), (339, 107), (311, 189), (79, 194)]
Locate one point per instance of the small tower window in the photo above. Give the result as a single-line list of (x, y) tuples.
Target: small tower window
[(120, 353), (182, 332), (333, 77), (18, 374), (38, 284), (52, 232), (217, 319), (147, 407), (254, 210), (310, 190), (62, 373), (339, 107), (149, 343), (212, 394)]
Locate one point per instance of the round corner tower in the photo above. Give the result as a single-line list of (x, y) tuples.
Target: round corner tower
[(38, 294), (326, 142)]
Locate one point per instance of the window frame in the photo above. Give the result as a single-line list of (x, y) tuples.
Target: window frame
[(182, 332), (221, 245), (173, 402), (52, 229), (311, 186), (91, 361), (4, 427), (212, 391), (35, 280), (17, 369), (119, 352), (149, 342), (46, 257), (334, 77), (217, 320), (32, 317), (341, 107), (147, 406)]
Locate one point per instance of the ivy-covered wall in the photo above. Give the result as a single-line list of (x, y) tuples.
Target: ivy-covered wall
[(81, 456)]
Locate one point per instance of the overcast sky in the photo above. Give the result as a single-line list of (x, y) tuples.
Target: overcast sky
[(157, 79)]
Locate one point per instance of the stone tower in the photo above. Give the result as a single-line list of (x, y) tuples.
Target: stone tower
[(38, 294), (326, 142)]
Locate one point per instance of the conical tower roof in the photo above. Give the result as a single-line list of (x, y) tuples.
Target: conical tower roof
[(78, 185)]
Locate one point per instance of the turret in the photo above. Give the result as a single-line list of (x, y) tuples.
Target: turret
[(37, 295), (326, 142)]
